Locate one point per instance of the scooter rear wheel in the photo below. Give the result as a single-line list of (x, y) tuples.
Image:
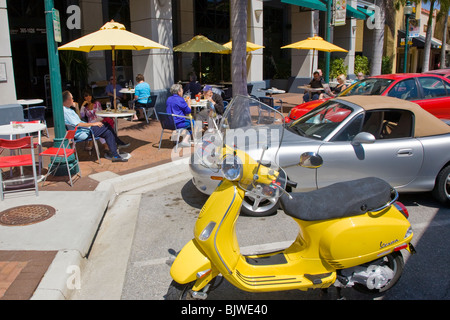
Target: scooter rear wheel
[(395, 262)]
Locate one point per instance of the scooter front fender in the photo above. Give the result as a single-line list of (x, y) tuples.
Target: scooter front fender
[(188, 263)]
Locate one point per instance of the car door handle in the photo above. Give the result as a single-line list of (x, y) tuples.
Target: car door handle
[(404, 152)]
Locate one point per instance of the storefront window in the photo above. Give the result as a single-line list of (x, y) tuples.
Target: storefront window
[(212, 19)]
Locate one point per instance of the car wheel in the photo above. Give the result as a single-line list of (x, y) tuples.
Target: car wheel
[(441, 189), (265, 208)]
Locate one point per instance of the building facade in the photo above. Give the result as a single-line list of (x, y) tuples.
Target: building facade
[(171, 22)]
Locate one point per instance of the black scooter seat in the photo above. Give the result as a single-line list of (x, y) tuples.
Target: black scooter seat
[(339, 200)]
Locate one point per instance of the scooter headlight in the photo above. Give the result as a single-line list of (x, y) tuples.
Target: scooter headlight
[(231, 167)]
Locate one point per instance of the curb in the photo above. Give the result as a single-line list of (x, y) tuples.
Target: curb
[(63, 274)]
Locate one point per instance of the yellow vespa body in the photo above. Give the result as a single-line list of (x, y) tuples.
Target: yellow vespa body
[(321, 249)]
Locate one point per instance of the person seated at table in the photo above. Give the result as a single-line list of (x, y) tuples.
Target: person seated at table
[(336, 90), (360, 76), (193, 86), (88, 112), (177, 105), (315, 83), (109, 90), (216, 102), (99, 129), (141, 92)]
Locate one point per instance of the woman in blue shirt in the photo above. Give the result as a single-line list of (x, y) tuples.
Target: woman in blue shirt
[(176, 104), (141, 92)]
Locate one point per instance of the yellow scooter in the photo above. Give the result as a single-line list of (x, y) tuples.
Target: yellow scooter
[(350, 233)]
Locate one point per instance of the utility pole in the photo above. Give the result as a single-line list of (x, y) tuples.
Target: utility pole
[(328, 38), (407, 12), (53, 24), (55, 74)]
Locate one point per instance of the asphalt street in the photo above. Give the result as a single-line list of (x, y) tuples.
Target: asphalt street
[(165, 220)]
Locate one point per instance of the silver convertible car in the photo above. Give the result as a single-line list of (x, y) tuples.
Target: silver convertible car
[(355, 137)]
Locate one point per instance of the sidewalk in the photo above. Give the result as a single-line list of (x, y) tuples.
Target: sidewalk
[(39, 260)]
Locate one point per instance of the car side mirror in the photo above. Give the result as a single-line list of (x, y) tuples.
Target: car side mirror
[(310, 160), (363, 137)]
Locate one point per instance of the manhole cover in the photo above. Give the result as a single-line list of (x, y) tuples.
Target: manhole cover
[(25, 215)]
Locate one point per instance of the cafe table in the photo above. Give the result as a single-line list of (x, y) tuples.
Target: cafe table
[(115, 115), (198, 105), (28, 102), (19, 129), (127, 91), (272, 91)]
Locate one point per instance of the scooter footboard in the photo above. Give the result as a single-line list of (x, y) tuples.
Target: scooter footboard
[(189, 262)]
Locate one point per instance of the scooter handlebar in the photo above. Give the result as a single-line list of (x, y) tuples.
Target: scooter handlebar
[(289, 183)]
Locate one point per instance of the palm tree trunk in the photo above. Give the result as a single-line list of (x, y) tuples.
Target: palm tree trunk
[(378, 38), (427, 48), (238, 54), (444, 39)]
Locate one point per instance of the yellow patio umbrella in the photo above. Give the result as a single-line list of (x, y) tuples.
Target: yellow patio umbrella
[(250, 46), (200, 44), (314, 43), (112, 36)]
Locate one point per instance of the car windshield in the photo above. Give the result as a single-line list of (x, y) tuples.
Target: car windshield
[(368, 87), (322, 121)]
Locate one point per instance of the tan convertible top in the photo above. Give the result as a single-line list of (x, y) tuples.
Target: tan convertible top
[(425, 123)]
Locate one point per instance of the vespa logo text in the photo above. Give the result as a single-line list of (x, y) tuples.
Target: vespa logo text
[(384, 245)]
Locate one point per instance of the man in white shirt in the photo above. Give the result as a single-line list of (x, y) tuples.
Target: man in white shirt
[(100, 129)]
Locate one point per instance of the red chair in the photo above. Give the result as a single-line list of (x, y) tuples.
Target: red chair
[(19, 160), (63, 152), (37, 145)]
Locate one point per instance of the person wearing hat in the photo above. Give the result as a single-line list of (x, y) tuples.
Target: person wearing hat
[(216, 101)]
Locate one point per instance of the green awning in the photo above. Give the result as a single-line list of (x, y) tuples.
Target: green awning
[(313, 4), (353, 13), (366, 12), (319, 5)]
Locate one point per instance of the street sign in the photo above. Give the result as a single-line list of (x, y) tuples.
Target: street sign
[(402, 41), (56, 25)]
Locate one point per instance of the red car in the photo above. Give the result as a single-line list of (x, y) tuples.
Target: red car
[(430, 91), (442, 72)]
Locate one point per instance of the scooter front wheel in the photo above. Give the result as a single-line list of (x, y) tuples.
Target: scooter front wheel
[(179, 291)]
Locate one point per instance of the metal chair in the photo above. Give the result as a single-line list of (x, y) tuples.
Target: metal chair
[(92, 138), (19, 160), (66, 149), (37, 113), (168, 123), (150, 106), (268, 101)]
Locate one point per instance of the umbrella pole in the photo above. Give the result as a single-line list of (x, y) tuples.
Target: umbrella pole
[(221, 67), (200, 59), (114, 75)]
